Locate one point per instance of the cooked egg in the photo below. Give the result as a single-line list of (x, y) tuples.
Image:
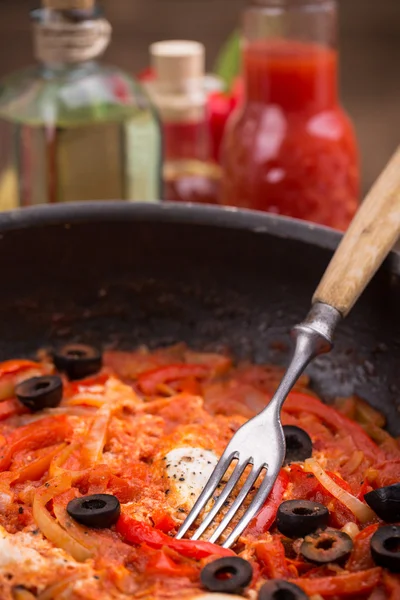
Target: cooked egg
[(31, 551), (188, 470), (14, 553), (29, 560)]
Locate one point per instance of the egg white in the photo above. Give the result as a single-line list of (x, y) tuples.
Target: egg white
[(188, 470)]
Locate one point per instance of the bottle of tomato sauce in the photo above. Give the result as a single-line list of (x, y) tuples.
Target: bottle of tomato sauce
[(290, 148)]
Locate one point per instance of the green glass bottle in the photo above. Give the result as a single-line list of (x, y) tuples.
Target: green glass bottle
[(72, 129)]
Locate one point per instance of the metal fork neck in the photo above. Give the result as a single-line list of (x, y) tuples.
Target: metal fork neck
[(320, 323), (313, 336)]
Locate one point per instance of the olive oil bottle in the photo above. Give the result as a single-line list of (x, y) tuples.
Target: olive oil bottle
[(72, 129)]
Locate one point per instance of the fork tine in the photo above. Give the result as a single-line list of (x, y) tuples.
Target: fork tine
[(216, 476), (248, 484), (230, 484), (256, 504)]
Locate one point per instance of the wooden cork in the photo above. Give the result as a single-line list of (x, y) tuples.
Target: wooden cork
[(69, 4)]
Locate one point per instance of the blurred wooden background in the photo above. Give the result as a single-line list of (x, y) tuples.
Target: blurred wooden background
[(370, 46)]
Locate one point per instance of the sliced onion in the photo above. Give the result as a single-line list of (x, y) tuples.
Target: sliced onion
[(354, 462), (86, 399), (56, 466), (37, 468), (19, 593), (91, 541), (93, 445), (351, 529), (48, 526), (76, 411), (119, 395), (360, 510), (53, 592)]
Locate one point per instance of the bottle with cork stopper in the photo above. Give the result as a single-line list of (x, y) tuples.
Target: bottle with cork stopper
[(180, 95), (72, 128)]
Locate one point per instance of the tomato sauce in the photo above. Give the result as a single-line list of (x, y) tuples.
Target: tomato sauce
[(122, 430), (290, 149)]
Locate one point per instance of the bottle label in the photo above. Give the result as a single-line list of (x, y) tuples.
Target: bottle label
[(62, 42)]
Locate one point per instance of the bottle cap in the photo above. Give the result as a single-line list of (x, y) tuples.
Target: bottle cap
[(178, 64), (69, 4)]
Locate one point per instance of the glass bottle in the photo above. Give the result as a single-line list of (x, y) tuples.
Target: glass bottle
[(290, 149), (71, 128), (180, 92)]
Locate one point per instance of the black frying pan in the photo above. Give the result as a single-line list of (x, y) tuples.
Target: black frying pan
[(122, 274)]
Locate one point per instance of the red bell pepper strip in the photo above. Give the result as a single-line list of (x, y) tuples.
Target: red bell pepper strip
[(10, 408), (162, 521), (263, 521), (271, 555), (9, 370), (135, 532), (10, 367), (39, 434), (361, 558), (339, 481), (150, 380), (163, 565), (341, 585), (364, 489), (392, 586), (298, 402)]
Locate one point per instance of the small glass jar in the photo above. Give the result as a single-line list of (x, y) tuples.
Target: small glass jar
[(180, 92), (290, 148)]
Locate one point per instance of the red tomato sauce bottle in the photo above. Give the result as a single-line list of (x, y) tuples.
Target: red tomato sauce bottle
[(290, 148)]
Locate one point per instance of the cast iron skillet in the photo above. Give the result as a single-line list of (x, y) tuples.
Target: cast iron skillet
[(125, 274)]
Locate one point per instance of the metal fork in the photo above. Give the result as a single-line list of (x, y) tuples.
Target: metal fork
[(260, 443)]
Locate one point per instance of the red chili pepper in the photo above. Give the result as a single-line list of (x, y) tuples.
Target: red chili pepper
[(150, 380), (135, 532), (298, 402), (341, 585), (220, 107), (263, 521)]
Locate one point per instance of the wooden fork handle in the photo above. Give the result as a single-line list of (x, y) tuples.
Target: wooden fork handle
[(369, 239)]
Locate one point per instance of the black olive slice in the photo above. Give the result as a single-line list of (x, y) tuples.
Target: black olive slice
[(230, 574), (78, 360), (327, 546), (38, 393), (385, 502), (99, 510), (298, 444), (385, 547), (279, 589), (297, 518)]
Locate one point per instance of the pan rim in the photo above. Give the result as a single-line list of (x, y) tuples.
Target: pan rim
[(73, 213)]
